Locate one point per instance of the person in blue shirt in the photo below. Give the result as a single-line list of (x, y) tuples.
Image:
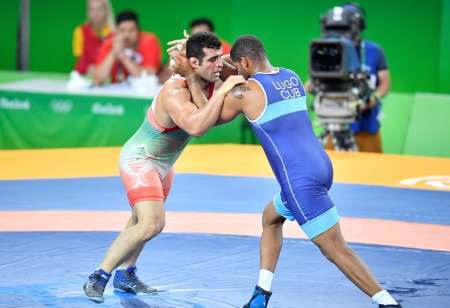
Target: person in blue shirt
[(274, 102), (366, 128)]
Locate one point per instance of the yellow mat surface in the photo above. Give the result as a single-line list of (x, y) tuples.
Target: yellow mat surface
[(229, 159)]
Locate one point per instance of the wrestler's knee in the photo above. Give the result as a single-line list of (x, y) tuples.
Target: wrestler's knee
[(150, 230), (332, 246), (336, 253), (270, 218)]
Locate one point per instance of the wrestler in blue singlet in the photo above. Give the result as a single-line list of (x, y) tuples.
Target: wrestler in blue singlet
[(301, 166)]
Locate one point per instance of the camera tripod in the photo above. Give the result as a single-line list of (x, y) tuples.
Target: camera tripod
[(341, 136)]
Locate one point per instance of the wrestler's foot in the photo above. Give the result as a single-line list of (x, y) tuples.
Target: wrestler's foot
[(260, 298), (96, 284), (127, 281)]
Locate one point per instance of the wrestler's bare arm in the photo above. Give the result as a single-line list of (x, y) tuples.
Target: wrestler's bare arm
[(198, 96), (182, 67), (244, 98), (195, 121)]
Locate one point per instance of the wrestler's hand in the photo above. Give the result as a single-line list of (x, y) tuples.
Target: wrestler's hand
[(228, 67), (178, 45), (227, 59), (179, 64), (230, 83)]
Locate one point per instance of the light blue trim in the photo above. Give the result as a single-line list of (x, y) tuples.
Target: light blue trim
[(321, 223), (275, 70), (280, 108), (281, 208)]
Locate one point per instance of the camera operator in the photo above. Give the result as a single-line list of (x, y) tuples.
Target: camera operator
[(366, 127)]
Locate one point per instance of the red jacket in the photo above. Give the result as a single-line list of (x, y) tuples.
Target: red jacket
[(147, 54), (86, 46)]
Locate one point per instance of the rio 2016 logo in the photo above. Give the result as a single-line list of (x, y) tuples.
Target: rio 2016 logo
[(436, 181), (63, 106)]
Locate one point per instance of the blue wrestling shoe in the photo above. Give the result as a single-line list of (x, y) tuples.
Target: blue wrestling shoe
[(260, 298), (127, 281), (96, 284)]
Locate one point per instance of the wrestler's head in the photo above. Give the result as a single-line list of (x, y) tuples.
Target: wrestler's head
[(203, 51), (247, 52)]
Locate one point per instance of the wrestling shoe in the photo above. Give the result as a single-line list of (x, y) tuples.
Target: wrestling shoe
[(127, 281), (96, 284), (260, 298)]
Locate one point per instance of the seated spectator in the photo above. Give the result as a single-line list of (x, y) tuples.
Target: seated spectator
[(129, 52), (206, 25), (88, 37)]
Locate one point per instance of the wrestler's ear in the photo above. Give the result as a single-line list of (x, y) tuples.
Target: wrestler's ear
[(245, 62), (193, 61)]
